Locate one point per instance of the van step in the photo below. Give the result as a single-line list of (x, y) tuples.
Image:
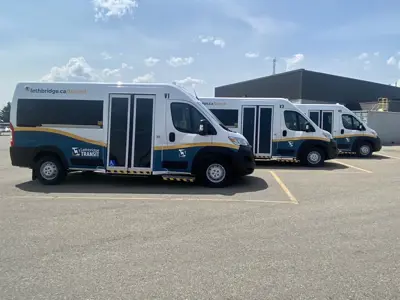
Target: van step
[(178, 178), (129, 172)]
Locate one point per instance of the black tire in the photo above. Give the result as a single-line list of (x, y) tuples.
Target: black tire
[(49, 162), (209, 170), (313, 157), (364, 149)]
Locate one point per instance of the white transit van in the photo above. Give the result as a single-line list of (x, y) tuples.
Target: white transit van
[(275, 128), (350, 133), (139, 129)]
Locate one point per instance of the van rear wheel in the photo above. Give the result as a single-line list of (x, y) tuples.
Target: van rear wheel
[(313, 157), (49, 171), (216, 173)]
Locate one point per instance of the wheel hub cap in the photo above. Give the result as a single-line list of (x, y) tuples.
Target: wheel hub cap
[(216, 173), (364, 150), (314, 157), (48, 170)]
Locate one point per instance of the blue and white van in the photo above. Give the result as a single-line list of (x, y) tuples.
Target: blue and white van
[(275, 128), (350, 133), (136, 129)]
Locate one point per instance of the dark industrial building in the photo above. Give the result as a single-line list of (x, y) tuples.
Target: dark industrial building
[(303, 86)]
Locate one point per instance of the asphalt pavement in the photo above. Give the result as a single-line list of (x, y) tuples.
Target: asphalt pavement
[(286, 232)]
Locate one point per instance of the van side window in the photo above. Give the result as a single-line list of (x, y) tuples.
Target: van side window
[(185, 117), (351, 123), (228, 117), (296, 122), (38, 112)]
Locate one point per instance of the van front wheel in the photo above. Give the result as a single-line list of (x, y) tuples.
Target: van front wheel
[(364, 149), (313, 157), (216, 173), (49, 171)]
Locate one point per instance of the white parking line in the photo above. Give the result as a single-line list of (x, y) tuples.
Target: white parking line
[(388, 156), (351, 166), (94, 197)]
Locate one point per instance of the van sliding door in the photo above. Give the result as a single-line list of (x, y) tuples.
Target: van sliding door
[(249, 124), (130, 134), (257, 128)]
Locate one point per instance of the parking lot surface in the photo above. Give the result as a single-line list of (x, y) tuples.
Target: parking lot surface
[(285, 232)]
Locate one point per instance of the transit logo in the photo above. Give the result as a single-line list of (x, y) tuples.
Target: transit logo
[(85, 152), (54, 91)]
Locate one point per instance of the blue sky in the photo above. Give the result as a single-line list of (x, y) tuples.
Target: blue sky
[(202, 42)]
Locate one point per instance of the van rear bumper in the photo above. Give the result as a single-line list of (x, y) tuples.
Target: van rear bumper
[(22, 156), (243, 161)]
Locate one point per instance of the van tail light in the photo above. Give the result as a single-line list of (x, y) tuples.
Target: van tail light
[(12, 135)]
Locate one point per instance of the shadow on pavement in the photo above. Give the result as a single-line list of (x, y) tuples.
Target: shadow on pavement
[(100, 183), (277, 165)]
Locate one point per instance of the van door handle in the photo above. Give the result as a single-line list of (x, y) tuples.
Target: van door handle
[(172, 137), (284, 133), (342, 131)]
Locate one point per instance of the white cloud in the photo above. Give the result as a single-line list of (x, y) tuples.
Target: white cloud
[(262, 24), (376, 53), (252, 54), (268, 58), (126, 66), (190, 81), (180, 61), (77, 69), (147, 78), (151, 61), (105, 55), (391, 61), (219, 42), (294, 60), (211, 39), (110, 73), (105, 9), (363, 56), (367, 65)]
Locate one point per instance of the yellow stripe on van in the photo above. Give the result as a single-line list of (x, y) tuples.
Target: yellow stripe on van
[(342, 136), (301, 139), (191, 145), (61, 132)]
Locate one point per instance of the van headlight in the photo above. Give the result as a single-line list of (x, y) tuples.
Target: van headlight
[(327, 135), (374, 132), (238, 141)]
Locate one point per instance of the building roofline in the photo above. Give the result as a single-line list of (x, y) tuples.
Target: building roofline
[(264, 77), (309, 71)]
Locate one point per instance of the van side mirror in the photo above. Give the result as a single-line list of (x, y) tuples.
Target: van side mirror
[(204, 127), (361, 127)]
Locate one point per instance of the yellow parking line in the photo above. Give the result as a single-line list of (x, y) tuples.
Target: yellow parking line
[(284, 188), (144, 199), (351, 166)]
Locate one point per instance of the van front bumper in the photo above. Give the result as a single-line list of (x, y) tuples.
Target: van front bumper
[(377, 146), (243, 161), (332, 150)]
